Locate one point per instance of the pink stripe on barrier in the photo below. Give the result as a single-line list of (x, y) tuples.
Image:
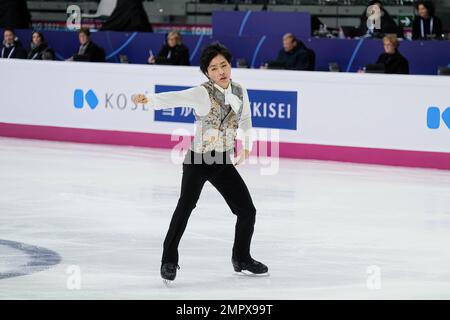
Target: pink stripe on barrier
[(406, 158), (423, 159), (127, 138)]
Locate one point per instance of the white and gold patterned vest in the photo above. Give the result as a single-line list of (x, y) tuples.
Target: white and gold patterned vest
[(217, 130)]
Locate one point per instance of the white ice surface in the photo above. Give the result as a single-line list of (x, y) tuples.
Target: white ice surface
[(320, 225)]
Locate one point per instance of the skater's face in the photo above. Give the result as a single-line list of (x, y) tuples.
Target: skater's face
[(219, 71)]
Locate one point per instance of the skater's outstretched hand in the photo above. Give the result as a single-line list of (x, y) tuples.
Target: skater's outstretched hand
[(139, 98), (242, 156)]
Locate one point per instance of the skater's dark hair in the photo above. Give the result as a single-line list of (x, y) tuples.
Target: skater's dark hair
[(210, 52)]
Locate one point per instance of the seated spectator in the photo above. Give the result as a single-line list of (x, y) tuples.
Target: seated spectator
[(39, 49), (174, 52), (426, 25), (88, 51), (386, 24), (294, 56), (11, 47), (393, 61)]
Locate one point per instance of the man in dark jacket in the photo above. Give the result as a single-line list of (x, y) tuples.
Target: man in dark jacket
[(12, 48), (294, 55), (89, 51)]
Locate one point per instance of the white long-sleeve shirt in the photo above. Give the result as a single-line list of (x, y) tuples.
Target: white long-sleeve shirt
[(198, 99)]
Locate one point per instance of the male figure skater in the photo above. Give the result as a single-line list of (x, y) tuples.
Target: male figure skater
[(221, 106)]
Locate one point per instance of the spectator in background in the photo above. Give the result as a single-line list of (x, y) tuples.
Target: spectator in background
[(174, 52), (14, 14), (88, 51), (39, 49), (129, 15), (11, 47), (386, 25), (294, 56), (426, 25), (393, 61)]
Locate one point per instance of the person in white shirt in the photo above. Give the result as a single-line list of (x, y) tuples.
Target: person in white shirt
[(221, 107)]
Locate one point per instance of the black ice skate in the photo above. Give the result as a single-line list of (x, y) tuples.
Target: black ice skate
[(169, 271), (251, 267)]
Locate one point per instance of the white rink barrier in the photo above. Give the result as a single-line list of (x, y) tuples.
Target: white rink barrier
[(367, 118)]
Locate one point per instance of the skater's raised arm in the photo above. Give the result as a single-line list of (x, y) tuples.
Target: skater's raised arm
[(196, 98)]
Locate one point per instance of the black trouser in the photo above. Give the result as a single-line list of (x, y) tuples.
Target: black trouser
[(226, 179)]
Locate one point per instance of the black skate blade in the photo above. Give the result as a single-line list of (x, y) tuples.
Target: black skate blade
[(245, 273)]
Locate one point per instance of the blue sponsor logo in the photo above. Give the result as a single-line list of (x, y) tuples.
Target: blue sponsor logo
[(273, 109), (434, 116), (90, 97), (270, 109)]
